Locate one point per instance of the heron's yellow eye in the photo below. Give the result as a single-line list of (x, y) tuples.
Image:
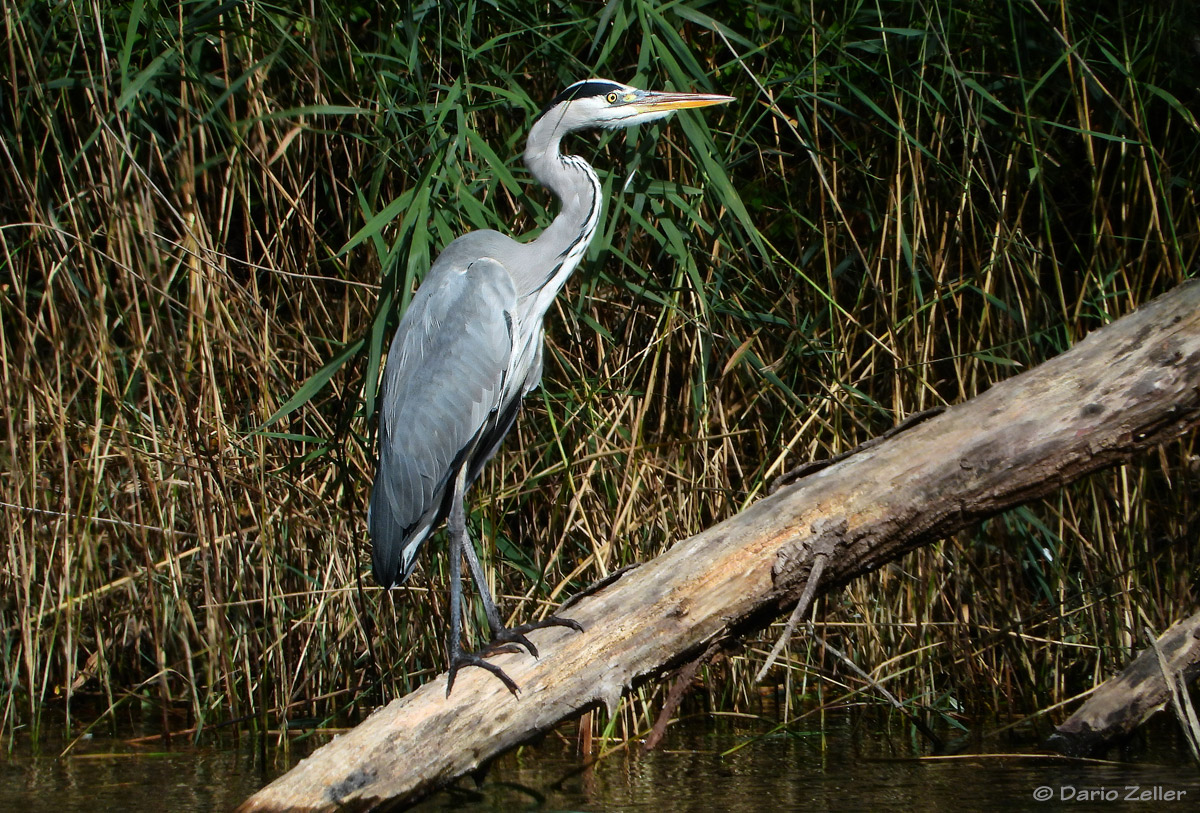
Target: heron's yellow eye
[(612, 98)]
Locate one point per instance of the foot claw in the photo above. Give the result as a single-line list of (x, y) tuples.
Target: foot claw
[(509, 639), (461, 659), (500, 648), (516, 635)]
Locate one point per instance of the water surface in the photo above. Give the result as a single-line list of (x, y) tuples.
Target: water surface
[(855, 763)]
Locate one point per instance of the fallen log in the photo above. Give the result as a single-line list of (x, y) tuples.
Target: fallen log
[(1131, 385), (1124, 702)]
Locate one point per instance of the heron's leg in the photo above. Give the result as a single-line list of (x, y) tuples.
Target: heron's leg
[(485, 593), (503, 636), (456, 523)]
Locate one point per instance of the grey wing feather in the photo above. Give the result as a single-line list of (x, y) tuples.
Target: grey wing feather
[(446, 375)]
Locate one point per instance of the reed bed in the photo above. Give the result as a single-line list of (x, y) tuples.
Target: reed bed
[(213, 214)]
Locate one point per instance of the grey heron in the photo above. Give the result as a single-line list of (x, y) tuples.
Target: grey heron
[(469, 348)]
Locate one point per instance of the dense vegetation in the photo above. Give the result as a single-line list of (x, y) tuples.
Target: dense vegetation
[(214, 212)]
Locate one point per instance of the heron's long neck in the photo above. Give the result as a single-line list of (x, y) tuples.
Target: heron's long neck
[(564, 242)]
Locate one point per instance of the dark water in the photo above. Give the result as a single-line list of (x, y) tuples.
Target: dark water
[(851, 765)]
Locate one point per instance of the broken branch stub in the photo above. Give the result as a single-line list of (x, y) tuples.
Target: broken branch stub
[(1125, 701)]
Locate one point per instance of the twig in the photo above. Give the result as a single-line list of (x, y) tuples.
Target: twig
[(812, 466), (683, 679), (810, 590), (934, 739)]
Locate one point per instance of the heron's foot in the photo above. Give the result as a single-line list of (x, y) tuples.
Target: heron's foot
[(516, 636), (459, 659), (506, 639)]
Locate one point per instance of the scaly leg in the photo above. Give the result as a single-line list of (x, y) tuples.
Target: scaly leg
[(457, 525), (504, 639), (503, 636)]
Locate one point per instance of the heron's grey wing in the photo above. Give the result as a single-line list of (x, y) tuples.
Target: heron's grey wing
[(524, 374), (445, 377)]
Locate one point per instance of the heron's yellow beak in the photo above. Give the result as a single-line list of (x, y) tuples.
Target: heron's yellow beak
[(649, 101)]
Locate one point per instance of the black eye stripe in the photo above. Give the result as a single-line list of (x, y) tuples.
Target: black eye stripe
[(582, 90)]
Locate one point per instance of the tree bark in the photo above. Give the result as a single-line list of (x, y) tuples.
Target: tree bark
[(1130, 385), (1124, 702)]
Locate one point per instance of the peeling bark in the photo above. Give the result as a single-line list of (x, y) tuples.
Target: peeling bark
[(1128, 386)]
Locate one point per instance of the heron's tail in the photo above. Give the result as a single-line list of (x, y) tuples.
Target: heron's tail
[(393, 547)]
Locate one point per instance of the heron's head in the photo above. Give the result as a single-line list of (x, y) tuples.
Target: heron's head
[(608, 104)]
